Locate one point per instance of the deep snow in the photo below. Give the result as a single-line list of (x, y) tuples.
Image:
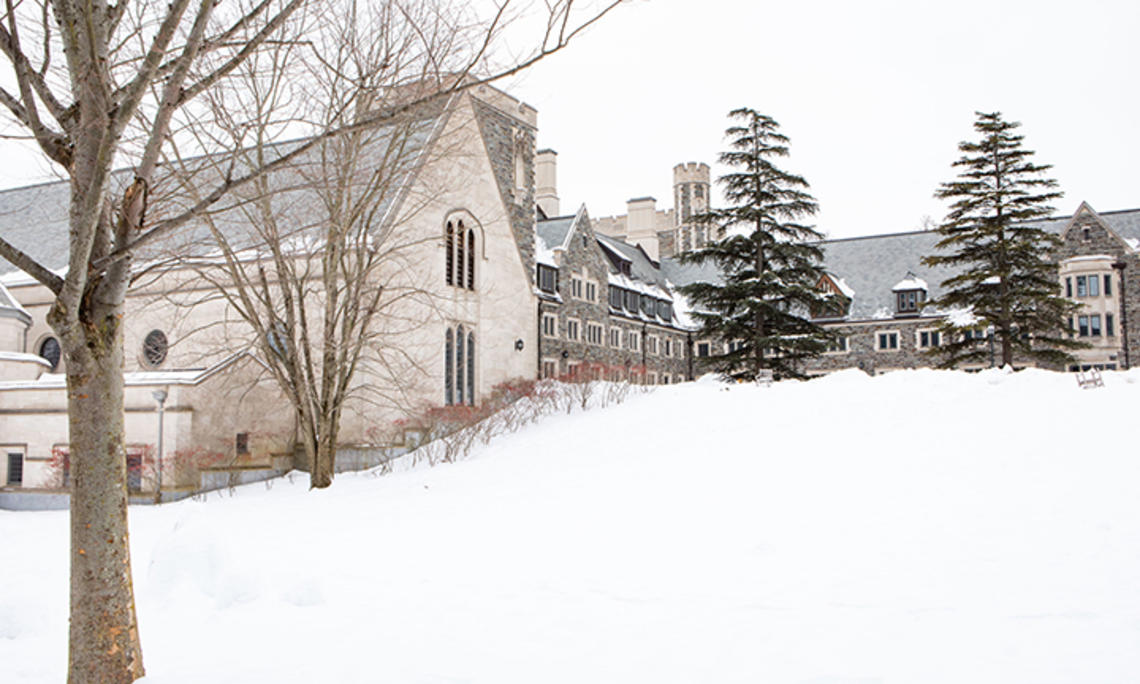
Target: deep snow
[(917, 527)]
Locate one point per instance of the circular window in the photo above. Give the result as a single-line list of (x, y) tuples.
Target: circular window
[(154, 347), (49, 350)]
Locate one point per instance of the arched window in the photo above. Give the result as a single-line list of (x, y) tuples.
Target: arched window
[(461, 257), (471, 368), (448, 357), (459, 368), (450, 255), (470, 259)]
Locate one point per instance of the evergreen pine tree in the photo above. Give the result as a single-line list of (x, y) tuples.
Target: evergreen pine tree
[(766, 256), (1008, 278)]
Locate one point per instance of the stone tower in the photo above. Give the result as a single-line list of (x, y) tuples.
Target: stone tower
[(690, 196)]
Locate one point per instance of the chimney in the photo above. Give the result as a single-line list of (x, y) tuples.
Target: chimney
[(641, 224), (546, 181)]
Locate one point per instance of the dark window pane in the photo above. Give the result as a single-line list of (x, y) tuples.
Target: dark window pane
[(448, 360), (15, 468), (1107, 284), (1108, 324)]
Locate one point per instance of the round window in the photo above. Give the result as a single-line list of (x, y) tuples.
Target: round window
[(154, 347), (49, 350)]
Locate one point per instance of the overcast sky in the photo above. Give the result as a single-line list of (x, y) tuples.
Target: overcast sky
[(875, 96)]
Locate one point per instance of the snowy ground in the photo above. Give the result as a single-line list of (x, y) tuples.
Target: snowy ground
[(917, 527)]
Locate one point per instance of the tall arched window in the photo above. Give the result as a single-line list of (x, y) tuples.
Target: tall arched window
[(471, 368), (448, 357), (459, 368), (461, 257), (459, 262), (470, 259), (450, 259)]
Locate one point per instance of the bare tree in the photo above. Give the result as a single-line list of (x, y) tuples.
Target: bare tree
[(99, 84)]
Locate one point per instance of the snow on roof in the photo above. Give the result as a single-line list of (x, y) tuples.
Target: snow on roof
[(24, 357), (844, 289), (7, 301), (910, 282), (1091, 257)]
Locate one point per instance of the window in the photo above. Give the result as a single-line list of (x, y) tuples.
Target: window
[(459, 366), (241, 443), (651, 344), (615, 338), (929, 338), (594, 333), (908, 301), (1069, 287), (668, 347), (647, 306), (15, 469), (1088, 326), (633, 340), (1094, 325), (977, 335), (547, 279), (591, 292), (702, 349), (1088, 286), (664, 310), (1107, 285), (836, 346), (575, 287), (49, 351), (549, 325), (1109, 329), (155, 347), (615, 297), (664, 378), (549, 368), (572, 329), (888, 341), (459, 261)]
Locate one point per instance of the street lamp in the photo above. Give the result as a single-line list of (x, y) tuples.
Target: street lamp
[(159, 396), (990, 335)]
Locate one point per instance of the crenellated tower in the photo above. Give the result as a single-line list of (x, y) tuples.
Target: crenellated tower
[(690, 197)]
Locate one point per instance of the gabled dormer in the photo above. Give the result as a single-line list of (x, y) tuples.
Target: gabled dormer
[(910, 295), (838, 295)]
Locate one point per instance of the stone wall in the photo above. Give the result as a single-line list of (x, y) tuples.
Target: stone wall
[(504, 136)]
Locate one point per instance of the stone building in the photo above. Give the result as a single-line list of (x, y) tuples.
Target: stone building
[(887, 325)]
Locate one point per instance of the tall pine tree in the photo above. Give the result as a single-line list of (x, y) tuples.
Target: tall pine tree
[(1007, 276), (766, 256)]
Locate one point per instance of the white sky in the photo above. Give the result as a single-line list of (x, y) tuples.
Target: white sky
[(875, 96)]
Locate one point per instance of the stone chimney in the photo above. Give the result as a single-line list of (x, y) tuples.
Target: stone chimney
[(546, 181), (641, 224)]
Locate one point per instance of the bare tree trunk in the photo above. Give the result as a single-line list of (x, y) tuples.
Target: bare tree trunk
[(104, 642)]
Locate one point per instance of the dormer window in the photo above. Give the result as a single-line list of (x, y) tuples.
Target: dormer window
[(910, 295), (547, 279), (909, 301)]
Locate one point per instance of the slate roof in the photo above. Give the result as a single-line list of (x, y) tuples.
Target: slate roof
[(35, 218), (553, 231), (641, 267), (872, 265)]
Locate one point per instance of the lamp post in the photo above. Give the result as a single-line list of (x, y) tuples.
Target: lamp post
[(159, 396), (990, 335), (1118, 266)]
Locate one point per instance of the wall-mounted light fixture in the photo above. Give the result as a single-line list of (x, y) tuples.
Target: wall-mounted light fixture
[(519, 345)]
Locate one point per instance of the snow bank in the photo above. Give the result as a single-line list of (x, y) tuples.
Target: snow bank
[(921, 526)]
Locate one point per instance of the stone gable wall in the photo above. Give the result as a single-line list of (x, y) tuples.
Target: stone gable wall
[(502, 135)]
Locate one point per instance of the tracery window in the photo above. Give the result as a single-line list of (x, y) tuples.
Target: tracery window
[(459, 261), (459, 366)]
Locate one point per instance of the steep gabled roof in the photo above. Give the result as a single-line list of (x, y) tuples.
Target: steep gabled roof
[(35, 218)]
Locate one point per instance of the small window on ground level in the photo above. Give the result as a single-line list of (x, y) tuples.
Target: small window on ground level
[(155, 347), (888, 341), (241, 443), (15, 469), (549, 368), (929, 338)]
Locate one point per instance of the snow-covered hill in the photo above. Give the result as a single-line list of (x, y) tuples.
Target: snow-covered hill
[(918, 527)]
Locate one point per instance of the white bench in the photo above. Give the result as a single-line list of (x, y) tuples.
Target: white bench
[(1090, 379)]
